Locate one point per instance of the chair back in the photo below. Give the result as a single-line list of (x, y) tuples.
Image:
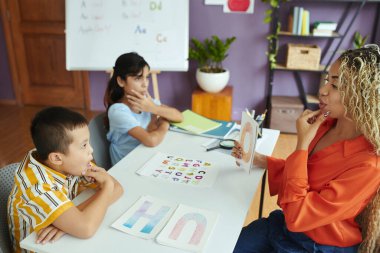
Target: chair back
[(6, 184), (369, 221), (99, 142)]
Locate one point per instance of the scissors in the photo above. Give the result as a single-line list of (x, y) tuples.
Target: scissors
[(224, 144)]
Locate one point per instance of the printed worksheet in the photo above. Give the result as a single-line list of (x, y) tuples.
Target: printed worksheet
[(146, 217), (180, 170)]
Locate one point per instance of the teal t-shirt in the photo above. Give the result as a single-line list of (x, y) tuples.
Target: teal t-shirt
[(122, 119)]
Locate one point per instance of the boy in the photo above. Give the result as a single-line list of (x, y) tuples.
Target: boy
[(52, 175)]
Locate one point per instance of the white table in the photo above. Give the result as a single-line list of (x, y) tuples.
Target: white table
[(230, 197)]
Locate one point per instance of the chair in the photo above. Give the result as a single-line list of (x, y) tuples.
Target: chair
[(6, 184), (99, 142), (369, 221)]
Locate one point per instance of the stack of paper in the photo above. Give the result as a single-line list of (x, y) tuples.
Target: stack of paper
[(196, 123), (225, 129)]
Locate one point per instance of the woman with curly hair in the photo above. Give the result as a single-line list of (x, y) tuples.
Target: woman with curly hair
[(333, 173)]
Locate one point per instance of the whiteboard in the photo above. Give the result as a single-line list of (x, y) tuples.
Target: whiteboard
[(98, 31)]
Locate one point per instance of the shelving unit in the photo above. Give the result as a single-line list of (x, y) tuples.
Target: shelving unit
[(307, 99)]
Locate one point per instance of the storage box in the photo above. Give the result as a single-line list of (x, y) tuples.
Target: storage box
[(284, 113), (300, 56)]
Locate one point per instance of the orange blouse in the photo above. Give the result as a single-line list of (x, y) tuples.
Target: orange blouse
[(322, 194)]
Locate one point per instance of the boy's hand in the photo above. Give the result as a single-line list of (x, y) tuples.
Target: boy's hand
[(140, 102), (49, 234), (100, 176)]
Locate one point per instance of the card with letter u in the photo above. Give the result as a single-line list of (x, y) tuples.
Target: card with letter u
[(247, 140)]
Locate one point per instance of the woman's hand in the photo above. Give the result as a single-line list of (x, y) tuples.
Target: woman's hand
[(259, 160), (49, 234), (307, 126), (141, 103)]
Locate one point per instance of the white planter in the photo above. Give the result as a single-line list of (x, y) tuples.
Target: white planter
[(212, 82)]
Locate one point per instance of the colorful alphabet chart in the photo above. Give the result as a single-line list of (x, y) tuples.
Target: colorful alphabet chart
[(145, 218), (181, 170), (188, 228)]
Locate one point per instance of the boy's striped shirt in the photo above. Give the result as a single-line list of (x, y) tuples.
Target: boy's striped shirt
[(40, 195)]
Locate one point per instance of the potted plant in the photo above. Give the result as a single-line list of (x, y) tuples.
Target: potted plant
[(210, 75), (359, 40)]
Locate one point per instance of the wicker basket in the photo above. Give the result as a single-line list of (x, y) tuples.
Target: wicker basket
[(301, 56)]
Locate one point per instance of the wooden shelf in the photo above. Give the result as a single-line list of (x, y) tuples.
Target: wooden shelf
[(284, 33), (284, 68)]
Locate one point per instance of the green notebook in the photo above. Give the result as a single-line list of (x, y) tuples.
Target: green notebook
[(196, 123)]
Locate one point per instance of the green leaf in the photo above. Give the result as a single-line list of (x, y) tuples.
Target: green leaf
[(267, 20), (210, 53), (268, 12)]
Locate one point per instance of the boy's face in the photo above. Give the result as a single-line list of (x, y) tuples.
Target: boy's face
[(79, 153)]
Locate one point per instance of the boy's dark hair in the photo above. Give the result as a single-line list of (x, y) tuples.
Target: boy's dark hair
[(50, 130)]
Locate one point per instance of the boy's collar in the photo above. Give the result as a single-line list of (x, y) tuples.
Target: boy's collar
[(33, 154)]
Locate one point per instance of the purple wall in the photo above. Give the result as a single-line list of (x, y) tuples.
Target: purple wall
[(6, 89), (247, 61)]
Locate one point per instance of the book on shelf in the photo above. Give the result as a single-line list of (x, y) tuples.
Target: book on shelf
[(295, 19), (196, 123), (305, 23), (325, 25), (225, 128), (312, 99), (299, 20), (322, 32), (290, 23)]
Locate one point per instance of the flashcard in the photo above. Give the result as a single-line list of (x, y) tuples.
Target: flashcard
[(145, 218), (248, 137), (189, 228), (180, 170)]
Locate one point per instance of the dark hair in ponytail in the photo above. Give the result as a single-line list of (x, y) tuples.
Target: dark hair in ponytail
[(129, 64)]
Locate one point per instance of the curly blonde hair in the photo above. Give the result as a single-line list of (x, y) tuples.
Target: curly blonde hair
[(369, 221), (359, 76)]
